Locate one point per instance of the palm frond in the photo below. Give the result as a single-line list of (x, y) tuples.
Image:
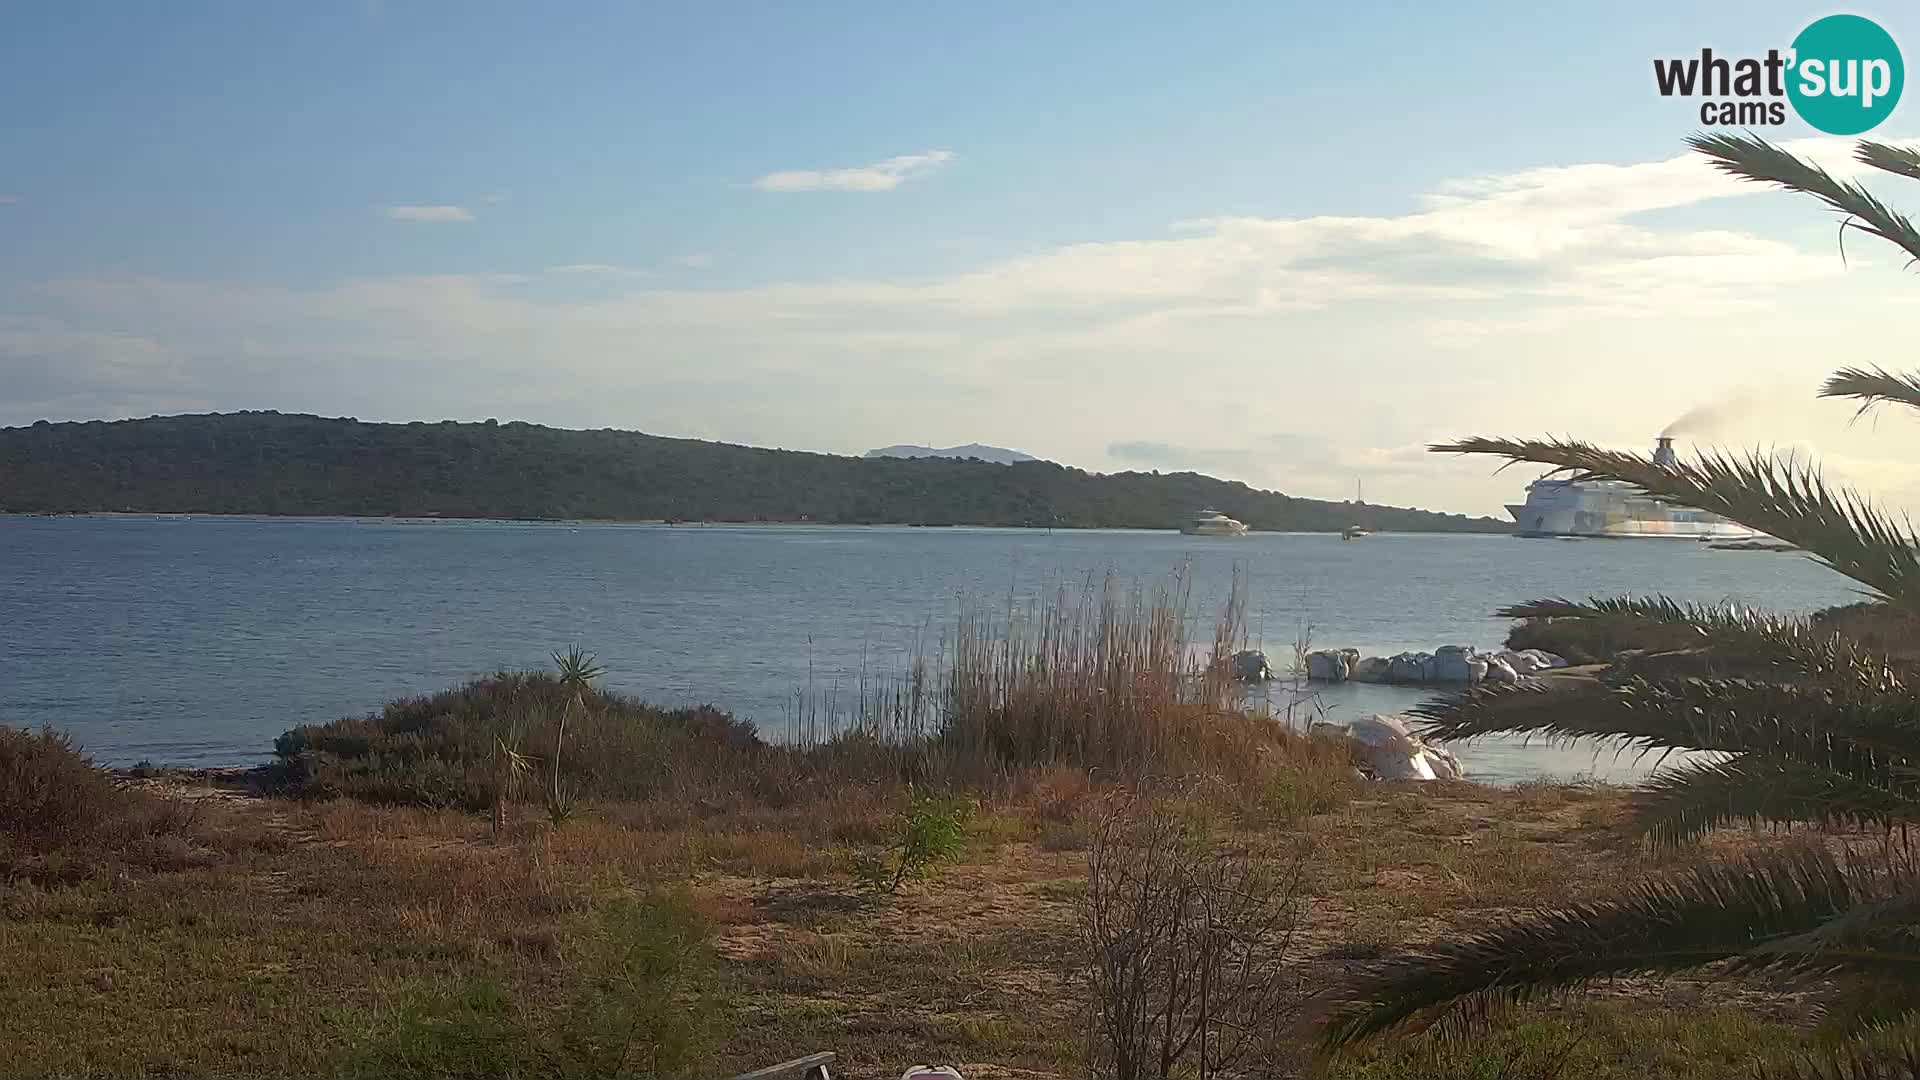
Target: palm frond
[(1755, 159), (1789, 501), (1872, 386), (1795, 645), (1685, 801), (1900, 160), (1868, 739), (1709, 913)]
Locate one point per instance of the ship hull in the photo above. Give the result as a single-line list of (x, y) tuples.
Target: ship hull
[(1595, 511)]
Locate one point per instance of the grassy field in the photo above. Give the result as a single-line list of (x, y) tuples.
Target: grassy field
[(293, 937)]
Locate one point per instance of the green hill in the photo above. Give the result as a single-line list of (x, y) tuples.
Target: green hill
[(270, 463)]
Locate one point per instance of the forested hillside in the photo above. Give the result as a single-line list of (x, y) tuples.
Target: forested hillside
[(273, 463)]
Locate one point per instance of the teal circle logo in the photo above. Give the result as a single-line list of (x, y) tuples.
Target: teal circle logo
[(1847, 74)]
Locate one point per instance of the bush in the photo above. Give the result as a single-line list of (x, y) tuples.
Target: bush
[(1875, 624), (63, 818), (932, 830), (439, 750), (1188, 944), (50, 793), (1598, 640)]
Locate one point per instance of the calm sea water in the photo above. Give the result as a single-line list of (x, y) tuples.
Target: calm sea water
[(197, 640)]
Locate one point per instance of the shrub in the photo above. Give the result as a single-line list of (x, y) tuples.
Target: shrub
[(1187, 943), (63, 818), (441, 749), (50, 793), (1880, 627), (932, 830), (1596, 641)]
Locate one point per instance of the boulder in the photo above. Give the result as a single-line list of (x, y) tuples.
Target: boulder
[(1531, 661), (1251, 666), (1408, 667), (1371, 670), (1452, 664), (1385, 748), (1498, 670), (1328, 666)]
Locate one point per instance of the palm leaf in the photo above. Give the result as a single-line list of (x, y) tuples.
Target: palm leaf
[(1789, 501), (1870, 739), (1793, 644), (1712, 912), (1685, 801), (1872, 386), (1900, 160), (1755, 159)]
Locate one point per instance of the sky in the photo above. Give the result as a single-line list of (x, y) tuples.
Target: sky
[(1286, 244)]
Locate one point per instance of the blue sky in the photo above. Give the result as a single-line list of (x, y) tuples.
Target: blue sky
[(565, 213)]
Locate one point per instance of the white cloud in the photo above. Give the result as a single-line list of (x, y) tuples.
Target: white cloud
[(880, 176), (429, 215), (588, 268), (695, 261), (10, 200)]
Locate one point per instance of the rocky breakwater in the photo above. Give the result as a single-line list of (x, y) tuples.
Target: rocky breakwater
[(1386, 746), (1448, 665)]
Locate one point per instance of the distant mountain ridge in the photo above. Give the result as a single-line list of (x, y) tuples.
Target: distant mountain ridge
[(273, 463), (999, 455)]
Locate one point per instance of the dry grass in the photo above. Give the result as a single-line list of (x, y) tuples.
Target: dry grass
[(311, 921)]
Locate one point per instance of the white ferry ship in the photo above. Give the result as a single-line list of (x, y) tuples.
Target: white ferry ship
[(1611, 508)]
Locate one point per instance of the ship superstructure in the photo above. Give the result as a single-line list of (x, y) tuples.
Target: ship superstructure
[(1612, 508)]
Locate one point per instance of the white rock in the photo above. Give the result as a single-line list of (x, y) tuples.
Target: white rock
[(1408, 667), (1371, 670), (1328, 666), (1387, 749), (1251, 666), (1451, 664)]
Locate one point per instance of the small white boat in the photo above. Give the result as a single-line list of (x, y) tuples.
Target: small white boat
[(1214, 523), (1354, 532)]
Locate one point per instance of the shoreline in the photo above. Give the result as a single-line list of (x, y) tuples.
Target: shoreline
[(405, 519)]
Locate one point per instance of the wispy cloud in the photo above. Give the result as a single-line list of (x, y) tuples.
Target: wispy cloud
[(587, 268), (696, 261), (10, 200), (429, 215), (879, 176)]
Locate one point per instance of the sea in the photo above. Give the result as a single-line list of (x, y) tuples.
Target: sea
[(194, 640)]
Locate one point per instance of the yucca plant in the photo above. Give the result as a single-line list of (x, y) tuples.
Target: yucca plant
[(510, 764), (1803, 726), (577, 673)]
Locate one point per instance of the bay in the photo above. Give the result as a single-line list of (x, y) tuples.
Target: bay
[(196, 640)]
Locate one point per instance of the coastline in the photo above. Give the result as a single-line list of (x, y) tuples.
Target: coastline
[(400, 519)]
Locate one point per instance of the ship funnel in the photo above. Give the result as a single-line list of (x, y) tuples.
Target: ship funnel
[(1663, 452)]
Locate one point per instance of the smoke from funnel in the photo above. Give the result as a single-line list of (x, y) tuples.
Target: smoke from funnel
[(1709, 418)]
